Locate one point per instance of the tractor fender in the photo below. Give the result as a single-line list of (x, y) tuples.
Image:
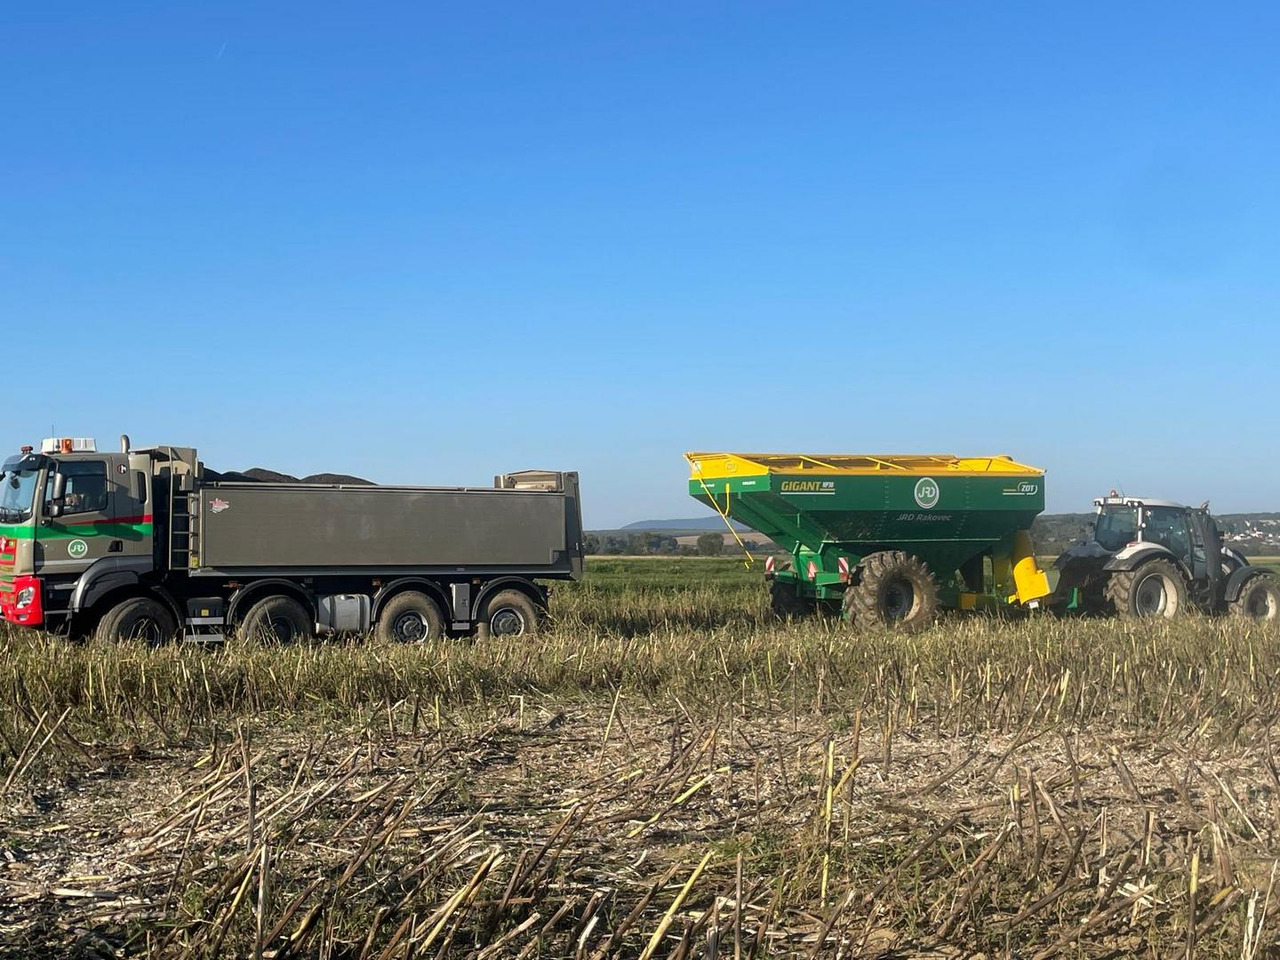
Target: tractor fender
[(1237, 580), (107, 574), (1132, 557), (1237, 560)]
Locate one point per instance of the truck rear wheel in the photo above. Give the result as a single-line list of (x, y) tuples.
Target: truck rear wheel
[(410, 617), (508, 613), (1155, 589), (1259, 598), (895, 590), (138, 618), (277, 619)]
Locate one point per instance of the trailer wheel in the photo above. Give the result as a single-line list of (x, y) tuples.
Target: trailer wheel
[(508, 613), (277, 619), (410, 617), (1259, 598), (895, 590), (1155, 589), (138, 618), (786, 604)]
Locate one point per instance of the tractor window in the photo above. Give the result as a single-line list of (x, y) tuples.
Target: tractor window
[(1116, 527), (1167, 526), (86, 486)]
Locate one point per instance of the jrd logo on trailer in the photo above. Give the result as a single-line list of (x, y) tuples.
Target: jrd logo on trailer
[(807, 486), (927, 493)]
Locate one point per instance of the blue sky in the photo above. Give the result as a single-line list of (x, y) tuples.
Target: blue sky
[(428, 243)]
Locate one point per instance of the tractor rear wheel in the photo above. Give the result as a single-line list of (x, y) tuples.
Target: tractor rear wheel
[(1155, 589), (895, 590), (786, 604), (1259, 598)]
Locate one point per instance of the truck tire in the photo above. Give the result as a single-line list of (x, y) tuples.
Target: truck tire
[(410, 617), (138, 618), (895, 590), (1259, 598), (786, 604), (277, 619), (1155, 589), (508, 613)]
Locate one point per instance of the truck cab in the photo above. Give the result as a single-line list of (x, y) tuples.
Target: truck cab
[(67, 511)]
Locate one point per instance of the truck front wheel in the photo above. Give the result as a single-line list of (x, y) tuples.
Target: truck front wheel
[(138, 618), (410, 617), (508, 613), (277, 620)]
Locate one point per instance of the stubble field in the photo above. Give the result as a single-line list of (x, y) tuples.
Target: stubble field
[(665, 772)]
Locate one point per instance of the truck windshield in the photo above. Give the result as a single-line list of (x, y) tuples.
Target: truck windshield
[(1116, 527), (17, 495)]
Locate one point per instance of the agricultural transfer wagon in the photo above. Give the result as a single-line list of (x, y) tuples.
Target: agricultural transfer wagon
[(145, 543), (884, 539)]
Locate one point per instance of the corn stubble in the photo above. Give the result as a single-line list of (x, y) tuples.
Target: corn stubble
[(665, 772)]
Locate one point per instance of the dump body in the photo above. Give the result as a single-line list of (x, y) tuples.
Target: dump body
[(951, 512), (294, 528)]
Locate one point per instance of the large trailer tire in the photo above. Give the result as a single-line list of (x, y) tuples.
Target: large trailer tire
[(1259, 598), (410, 617), (1155, 589), (278, 619), (786, 604), (508, 613), (895, 590), (138, 618)]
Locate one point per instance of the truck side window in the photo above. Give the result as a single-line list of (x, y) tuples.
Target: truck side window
[(86, 487)]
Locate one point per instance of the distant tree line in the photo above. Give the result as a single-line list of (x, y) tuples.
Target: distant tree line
[(649, 543)]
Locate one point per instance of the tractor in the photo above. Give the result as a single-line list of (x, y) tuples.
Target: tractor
[(1155, 558)]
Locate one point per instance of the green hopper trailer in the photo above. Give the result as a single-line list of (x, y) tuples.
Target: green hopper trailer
[(884, 539)]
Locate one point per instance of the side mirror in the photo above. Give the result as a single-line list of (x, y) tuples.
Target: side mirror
[(52, 509), (59, 487)]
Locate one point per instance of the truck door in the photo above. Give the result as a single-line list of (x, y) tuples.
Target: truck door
[(130, 510), (70, 542)]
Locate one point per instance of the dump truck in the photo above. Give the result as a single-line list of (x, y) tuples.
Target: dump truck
[(887, 539), (145, 543), (1148, 558)]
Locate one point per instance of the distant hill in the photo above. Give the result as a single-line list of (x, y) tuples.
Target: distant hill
[(694, 523)]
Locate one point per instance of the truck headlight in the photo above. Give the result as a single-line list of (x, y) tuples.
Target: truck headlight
[(26, 596)]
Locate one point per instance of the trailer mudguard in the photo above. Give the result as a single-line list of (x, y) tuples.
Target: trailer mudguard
[(106, 575), (1237, 580)]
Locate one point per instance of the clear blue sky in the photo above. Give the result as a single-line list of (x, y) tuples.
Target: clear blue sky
[(428, 242)]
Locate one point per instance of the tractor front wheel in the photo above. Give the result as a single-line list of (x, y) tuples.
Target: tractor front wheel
[(1155, 589), (894, 590), (1259, 598)]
